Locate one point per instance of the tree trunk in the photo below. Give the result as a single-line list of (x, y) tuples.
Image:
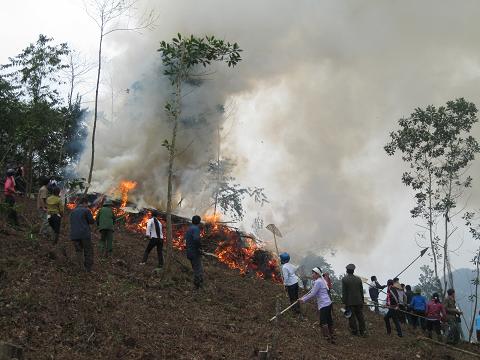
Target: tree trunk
[(171, 160), (218, 174), (29, 177), (95, 114), (475, 304), (430, 222)]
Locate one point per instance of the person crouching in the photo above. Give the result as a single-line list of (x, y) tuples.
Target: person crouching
[(290, 280), (324, 303)]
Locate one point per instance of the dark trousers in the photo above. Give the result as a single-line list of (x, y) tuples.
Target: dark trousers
[(292, 291), (55, 222), (434, 325), (85, 246), (392, 314), (106, 242), (158, 243), (197, 268), (417, 320), (401, 315), (357, 317), (11, 212), (375, 303)]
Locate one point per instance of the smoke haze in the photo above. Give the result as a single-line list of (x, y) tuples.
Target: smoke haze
[(320, 86)]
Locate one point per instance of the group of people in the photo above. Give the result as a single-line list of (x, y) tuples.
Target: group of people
[(403, 306), (51, 211)]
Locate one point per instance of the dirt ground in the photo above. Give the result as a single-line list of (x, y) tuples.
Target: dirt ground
[(123, 310)]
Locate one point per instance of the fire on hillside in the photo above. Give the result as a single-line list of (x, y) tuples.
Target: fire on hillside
[(230, 246)]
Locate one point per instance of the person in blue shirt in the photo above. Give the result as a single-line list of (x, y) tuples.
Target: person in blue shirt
[(478, 326), (418, 305), (194, 251)]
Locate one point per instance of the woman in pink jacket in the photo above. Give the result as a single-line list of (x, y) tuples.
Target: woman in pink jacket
[(435, 313)]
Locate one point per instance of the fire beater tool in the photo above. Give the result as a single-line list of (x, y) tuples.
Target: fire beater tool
[(418, 257), (281, 312), (275, 232)]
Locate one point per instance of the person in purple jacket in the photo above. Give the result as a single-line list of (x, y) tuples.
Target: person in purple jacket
[(319, 291)]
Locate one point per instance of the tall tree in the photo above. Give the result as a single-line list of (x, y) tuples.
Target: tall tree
[(455, 123), (418, 141), (182, 57), (106, 14), (35, 73), (473, 224)]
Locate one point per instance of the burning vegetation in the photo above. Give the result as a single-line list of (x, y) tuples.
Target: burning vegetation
[(230, 246)]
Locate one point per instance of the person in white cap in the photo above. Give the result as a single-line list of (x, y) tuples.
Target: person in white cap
[(324, 303)]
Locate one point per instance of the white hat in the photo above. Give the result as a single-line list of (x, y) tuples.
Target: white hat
[(317, 270)]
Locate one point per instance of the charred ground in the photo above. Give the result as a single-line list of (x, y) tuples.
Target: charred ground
[(123, 310)]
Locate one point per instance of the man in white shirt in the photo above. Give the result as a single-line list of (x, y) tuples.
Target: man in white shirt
[(155, 236), (290, 280)]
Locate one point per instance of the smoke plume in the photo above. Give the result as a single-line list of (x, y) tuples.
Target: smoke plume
[(320, 86)]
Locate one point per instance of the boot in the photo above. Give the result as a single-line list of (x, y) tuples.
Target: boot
[(331, 333), (325, 332)]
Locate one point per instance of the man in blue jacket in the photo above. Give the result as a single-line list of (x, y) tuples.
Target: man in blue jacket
[(80, 220), (418, 305), (194, 253)]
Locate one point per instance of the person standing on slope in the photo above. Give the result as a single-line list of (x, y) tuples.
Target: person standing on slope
[(418, 305), (290, 280), (194, 250), (374, 290), (9, 191), (393, 309), (435, 315), (154, 235), (319, 291), (105, 221), (55, 213), (352, 297), (80, 220)]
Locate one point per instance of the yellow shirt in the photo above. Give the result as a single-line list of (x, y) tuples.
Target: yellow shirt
[(54, 205)]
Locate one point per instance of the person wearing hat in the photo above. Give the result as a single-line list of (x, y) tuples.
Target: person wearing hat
[(80, 220), (154, 235), (393, 307), (352, 297), (418, 305), (105, 221), (9, 192), (290, 280), (319, 291), (435, 314)]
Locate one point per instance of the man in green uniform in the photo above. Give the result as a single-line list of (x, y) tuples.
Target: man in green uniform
[(105, 221), (352, 297), (453, 318)]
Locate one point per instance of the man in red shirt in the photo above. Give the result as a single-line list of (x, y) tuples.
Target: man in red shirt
[(9, 191)]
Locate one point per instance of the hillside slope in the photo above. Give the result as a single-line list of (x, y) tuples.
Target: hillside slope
[(123, 311)]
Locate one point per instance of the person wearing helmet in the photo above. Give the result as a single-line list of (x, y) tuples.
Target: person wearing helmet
[(105, 220), (320, 292), (418, 305), (453, 318), (435, 315), (352, 297), (9, 191), (290, 280)]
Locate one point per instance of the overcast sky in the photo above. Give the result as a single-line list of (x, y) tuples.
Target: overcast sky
[(321, 85)]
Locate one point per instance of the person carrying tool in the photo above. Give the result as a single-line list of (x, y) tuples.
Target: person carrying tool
[(290, 280), (393, 309), (453, 318), (374, 290), (402, 300), (409, 295), (418, 305), (105, 221), (194, 250), (352, 297), (55, 213), (435, 314), (154, 235), (9, 191), (80, 220), (319, 291)]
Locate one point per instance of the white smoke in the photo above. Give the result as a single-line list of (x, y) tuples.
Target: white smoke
[(320, 86)]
